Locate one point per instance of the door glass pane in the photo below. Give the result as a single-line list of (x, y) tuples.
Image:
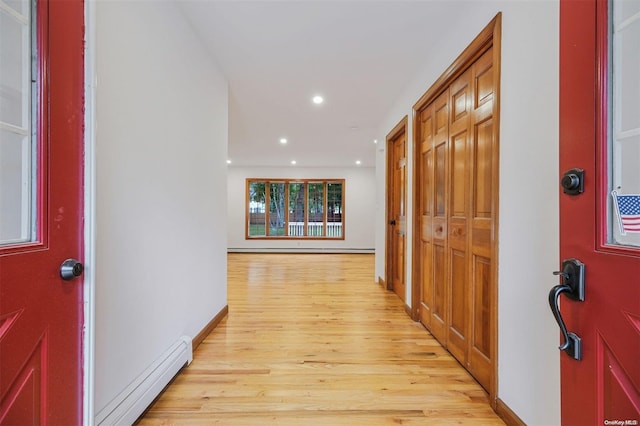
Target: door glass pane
[(276, 209), (624, 140), (17, 145), (334, 210), (257, 209), (20, 6), (315, 221), (296, 209)]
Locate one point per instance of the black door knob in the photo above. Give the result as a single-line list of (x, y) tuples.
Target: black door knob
[(570, 181), (71, 269), (573, 181)]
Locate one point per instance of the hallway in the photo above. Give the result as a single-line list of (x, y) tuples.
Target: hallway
[(312, 340)]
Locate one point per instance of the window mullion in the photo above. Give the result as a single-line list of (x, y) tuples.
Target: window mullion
[(342, 215), (286, 206), (305, 187), (247, 218), (267, 208), (325, 207)]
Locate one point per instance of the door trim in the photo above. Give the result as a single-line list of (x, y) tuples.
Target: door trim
[(88, 344), (398, 129), (490, 36)]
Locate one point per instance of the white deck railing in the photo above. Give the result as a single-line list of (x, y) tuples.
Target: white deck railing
[(314, 229)]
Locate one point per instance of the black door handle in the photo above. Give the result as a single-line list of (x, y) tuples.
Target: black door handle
[(392, 222), (554, 295), (572, 276)]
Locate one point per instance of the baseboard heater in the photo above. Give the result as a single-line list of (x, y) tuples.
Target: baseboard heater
[(131, 402)]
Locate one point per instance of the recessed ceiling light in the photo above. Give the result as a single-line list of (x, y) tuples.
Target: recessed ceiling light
[(358, 162), (318, 99), (293, 162), (228, 161), (283, 140), (375, 141)]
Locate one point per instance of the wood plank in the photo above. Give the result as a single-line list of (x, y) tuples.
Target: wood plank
[(312, 339)]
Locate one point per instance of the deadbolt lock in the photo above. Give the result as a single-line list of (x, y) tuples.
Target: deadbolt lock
[(573, 181)]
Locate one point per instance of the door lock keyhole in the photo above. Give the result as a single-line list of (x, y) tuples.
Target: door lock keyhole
[(71, 269)]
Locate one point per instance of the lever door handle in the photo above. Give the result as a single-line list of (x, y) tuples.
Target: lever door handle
[(554, 295)]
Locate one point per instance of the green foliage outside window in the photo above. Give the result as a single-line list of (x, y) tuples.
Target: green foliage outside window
[(282, 208)]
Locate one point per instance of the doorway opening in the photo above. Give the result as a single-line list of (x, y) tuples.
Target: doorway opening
[(396, 228)]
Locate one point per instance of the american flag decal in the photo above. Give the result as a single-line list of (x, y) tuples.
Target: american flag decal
[(628, 210)]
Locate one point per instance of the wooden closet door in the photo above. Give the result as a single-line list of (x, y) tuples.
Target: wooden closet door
[(460, 137), (484, 181), (440, 196), (456, 209), (433, 131), (425, 199), (457, 185)]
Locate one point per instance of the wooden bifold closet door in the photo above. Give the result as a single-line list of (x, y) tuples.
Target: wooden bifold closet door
[(456, 219)]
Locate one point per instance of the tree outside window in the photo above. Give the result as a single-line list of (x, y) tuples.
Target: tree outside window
[(300, 209)]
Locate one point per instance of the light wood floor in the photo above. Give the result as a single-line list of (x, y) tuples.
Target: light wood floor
[(313, 340)]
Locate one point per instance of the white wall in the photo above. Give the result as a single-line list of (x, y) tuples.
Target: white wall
[(161, 146), (358, 210), (528, 358)]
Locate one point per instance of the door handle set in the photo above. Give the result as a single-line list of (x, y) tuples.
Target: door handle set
[(572, 285)]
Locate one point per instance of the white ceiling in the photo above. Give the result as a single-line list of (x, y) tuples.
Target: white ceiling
[(277, 55)]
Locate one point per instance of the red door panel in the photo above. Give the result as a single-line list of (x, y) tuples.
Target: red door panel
[(604, 386), (41, 315)]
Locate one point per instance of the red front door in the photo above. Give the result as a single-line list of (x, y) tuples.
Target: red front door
[(600, 133), (41, 166)]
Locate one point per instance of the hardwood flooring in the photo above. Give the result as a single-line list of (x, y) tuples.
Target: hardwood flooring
[(313, 340)]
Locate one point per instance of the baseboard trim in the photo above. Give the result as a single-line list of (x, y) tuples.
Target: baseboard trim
[(506, 414), (210, 327), (135, 398), (382, 283), (301, 250)]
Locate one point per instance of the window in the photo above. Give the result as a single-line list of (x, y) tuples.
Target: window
[(18, 96), (624, 125), (301, 209)]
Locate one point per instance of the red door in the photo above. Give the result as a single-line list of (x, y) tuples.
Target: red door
[(41, 157), (600, 133)]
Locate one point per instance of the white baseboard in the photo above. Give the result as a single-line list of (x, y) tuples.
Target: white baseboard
[(131, 402)]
